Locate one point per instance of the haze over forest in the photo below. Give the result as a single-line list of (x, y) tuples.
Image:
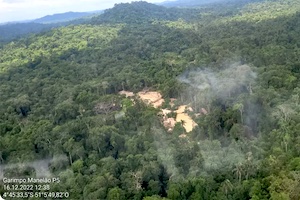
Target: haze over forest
[(180, 100)]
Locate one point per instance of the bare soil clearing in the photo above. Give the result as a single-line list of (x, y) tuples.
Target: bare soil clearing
[(185, 119), (126, 93), (155, 99), (151, 97)]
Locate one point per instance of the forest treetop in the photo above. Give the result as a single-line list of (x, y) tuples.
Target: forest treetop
[(60, 98)]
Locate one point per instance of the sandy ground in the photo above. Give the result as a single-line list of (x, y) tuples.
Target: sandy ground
[(155, 99), (172, 102), (188, 122), (169, 124), (126, 93), (181, 109), (182, 117)]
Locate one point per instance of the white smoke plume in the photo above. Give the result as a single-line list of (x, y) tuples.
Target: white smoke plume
[(229, 86), (40, 167), (165, 152), (222, 84)]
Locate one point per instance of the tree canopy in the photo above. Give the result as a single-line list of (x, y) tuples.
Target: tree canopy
[(237, 68)]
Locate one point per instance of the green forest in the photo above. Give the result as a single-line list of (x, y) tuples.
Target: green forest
[(237, 62)]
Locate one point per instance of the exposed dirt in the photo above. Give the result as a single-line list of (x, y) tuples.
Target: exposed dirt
[(155, 99), (172, 100), (165, 112), (185, 119), (169, 123), (126, 93)]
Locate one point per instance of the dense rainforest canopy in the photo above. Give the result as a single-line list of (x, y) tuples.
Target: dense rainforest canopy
[(237, 61)]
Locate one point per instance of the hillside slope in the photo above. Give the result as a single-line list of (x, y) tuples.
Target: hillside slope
[(139, 12), (63, 17), (236, 70), (199, 3), (16, 30)]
